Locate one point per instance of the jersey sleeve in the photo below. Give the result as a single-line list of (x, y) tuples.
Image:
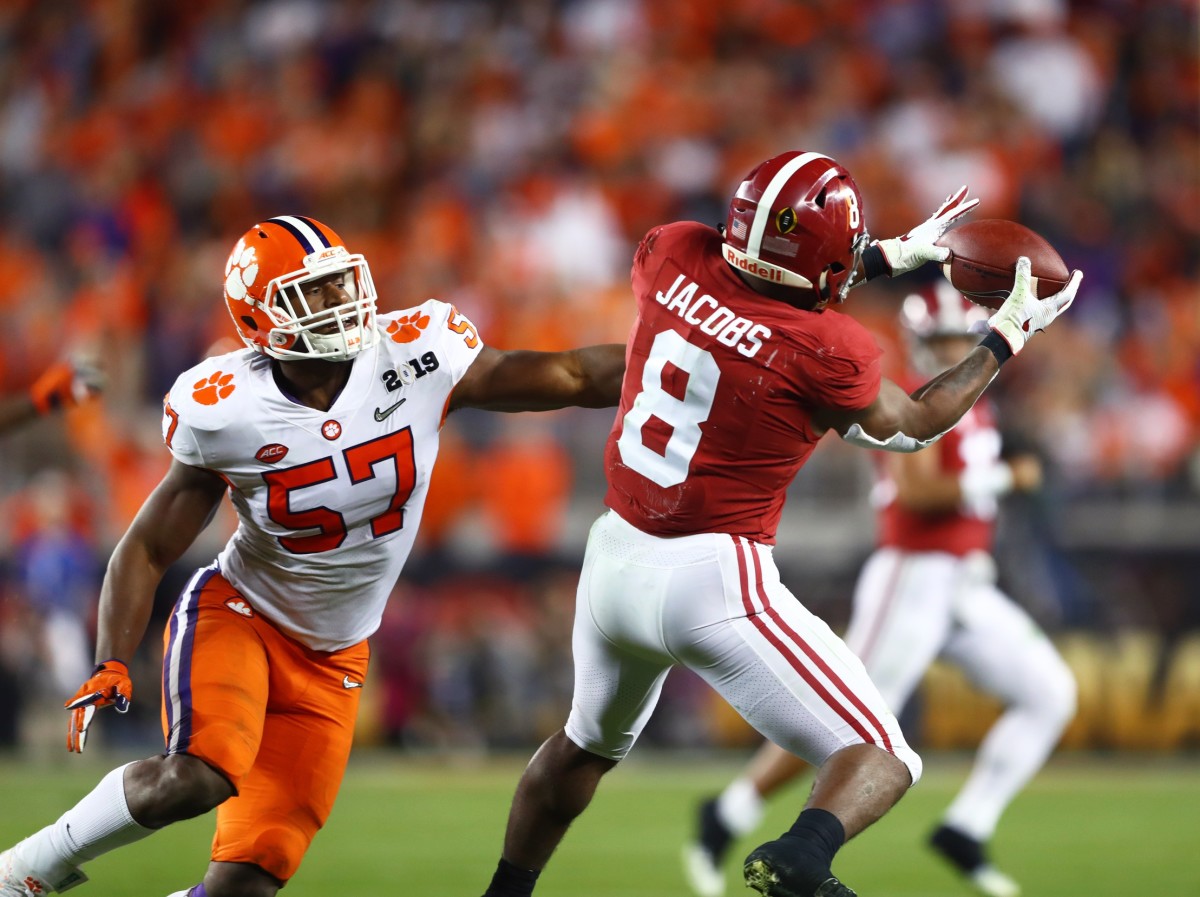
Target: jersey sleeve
[(451, 333), (846, 371), (178, 435)]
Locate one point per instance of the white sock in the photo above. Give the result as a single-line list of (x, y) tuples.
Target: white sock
[(97, 824), (740, 807)]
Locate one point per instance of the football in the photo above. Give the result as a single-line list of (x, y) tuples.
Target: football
[(984, 260)]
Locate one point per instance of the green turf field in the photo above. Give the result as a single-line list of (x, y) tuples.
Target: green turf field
[(1087, 827)]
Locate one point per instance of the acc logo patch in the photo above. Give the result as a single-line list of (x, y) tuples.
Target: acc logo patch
[(241, 270), (407, 328), (239, 606), (785, 220), (218, 386), (269, 454), (331, 430)]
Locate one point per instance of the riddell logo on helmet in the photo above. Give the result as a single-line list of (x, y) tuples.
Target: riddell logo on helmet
[(752, 267)]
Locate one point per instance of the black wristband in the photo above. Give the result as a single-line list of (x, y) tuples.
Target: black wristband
[(998, 346), (874, 263)]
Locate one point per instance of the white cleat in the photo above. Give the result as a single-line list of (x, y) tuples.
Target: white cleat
[(991, 882), (16, 880), (703, 876)]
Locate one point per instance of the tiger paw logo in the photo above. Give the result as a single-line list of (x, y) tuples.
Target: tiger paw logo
[(210, 391), (407, 328), (241, 270), (239, 606)]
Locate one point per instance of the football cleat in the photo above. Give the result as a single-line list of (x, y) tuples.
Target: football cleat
[(771, 871), (702, 858), (969, 857), (17, 880)]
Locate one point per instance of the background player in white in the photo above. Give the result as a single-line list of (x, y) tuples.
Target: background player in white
[(324, 433), (736, 368), (929, 590)]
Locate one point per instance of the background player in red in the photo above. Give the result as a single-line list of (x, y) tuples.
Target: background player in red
[(324, 431), (736, 367), (929, 591)]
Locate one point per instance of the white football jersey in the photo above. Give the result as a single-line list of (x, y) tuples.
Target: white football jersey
[(328, 502)]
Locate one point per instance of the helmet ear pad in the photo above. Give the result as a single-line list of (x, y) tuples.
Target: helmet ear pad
[(797, 220)]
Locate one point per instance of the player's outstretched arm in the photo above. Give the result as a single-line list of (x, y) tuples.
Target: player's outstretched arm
[(521, 380), (899, 422), (63, 385), (170, 520)]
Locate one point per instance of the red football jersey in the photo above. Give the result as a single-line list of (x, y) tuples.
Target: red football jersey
[(720, 384), (973, 441)]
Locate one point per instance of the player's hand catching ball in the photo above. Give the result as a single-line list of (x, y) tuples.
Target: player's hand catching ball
[(919, 245), (109, 685), (1023, 314)]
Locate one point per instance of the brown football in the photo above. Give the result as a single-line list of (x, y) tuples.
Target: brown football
[(984, 260)]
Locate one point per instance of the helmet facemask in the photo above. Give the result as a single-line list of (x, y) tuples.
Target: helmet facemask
[(334, 334)]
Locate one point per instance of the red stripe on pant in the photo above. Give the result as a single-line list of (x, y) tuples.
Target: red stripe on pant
[(796, 663)]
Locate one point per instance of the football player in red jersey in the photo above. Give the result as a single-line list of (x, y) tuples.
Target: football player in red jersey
[(324, 431), (735, 368), (929, 591), (62, 385)]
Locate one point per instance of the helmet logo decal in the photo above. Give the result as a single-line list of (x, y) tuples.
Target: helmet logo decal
[(331, 430), (211, 390), (785, 220), (241, 270), (407, 328)]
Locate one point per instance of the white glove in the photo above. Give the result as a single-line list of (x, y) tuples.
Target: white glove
[(1023, 314), (919, 245)]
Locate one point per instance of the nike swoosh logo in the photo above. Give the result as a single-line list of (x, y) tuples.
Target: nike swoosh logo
[(382, 414), (347, 682)]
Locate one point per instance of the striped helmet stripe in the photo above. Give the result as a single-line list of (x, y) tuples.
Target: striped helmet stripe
[(763, 213), (304, 230)]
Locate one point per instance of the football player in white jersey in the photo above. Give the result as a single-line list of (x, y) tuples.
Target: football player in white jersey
[(323, 432), (928, 591)]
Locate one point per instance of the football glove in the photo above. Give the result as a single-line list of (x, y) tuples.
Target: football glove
[(1023, 314), (110, 685), (65, 385), (919, 245)]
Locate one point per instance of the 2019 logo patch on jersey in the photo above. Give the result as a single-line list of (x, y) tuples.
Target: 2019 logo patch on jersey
[(407, 328), (210, 391)]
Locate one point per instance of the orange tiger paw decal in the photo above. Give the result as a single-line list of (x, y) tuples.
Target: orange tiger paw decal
[(218, 386), (407, 328)]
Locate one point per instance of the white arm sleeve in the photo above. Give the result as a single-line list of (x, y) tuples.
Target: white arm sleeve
[(900, 442)]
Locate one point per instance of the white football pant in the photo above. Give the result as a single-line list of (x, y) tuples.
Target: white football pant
[(713, 603)]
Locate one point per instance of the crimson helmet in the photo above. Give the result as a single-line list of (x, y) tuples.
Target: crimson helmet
[(797, 220), (264, 279), (938, 309)]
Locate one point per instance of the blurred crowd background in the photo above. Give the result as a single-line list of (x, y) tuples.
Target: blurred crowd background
[(507, 157)]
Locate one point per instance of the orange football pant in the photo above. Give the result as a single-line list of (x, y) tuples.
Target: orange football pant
[(275, 717)]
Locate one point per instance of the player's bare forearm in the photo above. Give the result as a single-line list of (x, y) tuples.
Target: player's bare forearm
[(522, 380), (16, 412), (170, 520), (950, 395)]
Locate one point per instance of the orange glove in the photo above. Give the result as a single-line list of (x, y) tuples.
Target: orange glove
[(110, 684), (65, 385)]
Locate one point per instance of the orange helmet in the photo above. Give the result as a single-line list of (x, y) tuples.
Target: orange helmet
[(263, 279)]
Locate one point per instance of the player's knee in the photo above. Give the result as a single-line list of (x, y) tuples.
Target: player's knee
[(1059, 695), (163, 790), (239, 880)]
